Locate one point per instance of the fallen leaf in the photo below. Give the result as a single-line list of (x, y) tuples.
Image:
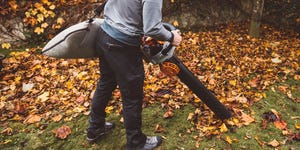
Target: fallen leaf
[(190, 116), (276, 60), (5, 45), (44, 97), (223, 128), (158, 128), (62, 132), (274, 143), (261, 143), (57, 118), (32, 119), (109, 109), (7, 131), (168, 114), (280, 124), (228, 139), (297, 126), (27, 87)]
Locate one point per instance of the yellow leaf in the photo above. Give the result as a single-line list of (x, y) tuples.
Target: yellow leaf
[(232, 82), (175, 23), (34, 12), (17, 79), (190, 117), (197, 100), (40, 17), (51, 13), (219, 68), (297, 126), (109, 109), (39, 30), (228, 139), (60, 20), (69, 85), (223, 128), (6, 141), (46, 2), (5, 45), (44, 25), (27, 14), (52, 7)]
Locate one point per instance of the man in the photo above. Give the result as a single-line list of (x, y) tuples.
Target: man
[(126, 21)]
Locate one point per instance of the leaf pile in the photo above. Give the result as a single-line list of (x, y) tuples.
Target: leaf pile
[(235, 67)]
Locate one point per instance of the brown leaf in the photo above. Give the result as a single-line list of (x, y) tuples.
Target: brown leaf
[(2, 104), (7, 131), (168, 114), (62, 132), (158, 128), (32, 119), (254, 82), (57, 118), (19, 108)]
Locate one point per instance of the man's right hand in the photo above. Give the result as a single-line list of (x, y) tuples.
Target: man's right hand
[(177, 37)]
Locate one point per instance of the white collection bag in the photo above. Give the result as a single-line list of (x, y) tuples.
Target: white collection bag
[(77, 41)]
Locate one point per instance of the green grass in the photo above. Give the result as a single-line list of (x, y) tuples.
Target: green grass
[(31, 137)]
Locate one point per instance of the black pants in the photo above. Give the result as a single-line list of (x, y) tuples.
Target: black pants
[(121, 65)]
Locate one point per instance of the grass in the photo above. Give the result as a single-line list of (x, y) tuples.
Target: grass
[(247, 137)]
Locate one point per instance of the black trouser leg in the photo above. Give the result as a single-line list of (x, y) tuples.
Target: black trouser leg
[(126, 65)]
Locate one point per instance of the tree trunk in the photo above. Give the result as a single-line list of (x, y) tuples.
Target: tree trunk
[(256, 18)]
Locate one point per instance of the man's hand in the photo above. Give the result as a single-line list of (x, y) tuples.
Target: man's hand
[(177, 37)]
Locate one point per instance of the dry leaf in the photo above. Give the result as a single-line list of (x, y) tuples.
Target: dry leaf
[(168, 114), (223, 128), (280, 124), (228, 139), (44, 97), (57, 118), (32, 119), (297, 126), (274, 143), (158, 128), (62, 132), (7, 131)]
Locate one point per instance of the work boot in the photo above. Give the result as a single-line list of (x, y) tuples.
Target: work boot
[(94, 134), (152, 142)]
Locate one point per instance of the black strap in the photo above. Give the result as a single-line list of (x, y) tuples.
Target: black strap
[(98, 11)]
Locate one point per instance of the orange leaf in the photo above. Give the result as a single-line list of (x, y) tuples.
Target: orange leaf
[(280, 124), (168, 114), (62, 132)]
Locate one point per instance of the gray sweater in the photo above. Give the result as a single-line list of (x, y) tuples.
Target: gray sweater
[(134, 18)]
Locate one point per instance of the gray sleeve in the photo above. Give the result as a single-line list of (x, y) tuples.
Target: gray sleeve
[(152, 17)]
